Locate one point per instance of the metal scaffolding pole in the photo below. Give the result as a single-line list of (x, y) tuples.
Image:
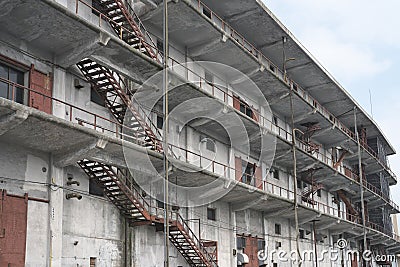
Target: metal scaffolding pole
[(360, 174), (296, 217), (165, 134)]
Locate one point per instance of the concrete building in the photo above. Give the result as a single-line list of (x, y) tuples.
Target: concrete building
[(268, 151)]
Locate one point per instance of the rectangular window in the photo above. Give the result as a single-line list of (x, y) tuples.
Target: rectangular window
[(248, 172), (240, 242), (275, 264), (6, 90), (319, 193), (278, 229), (96, 98), (95, 189), (207, 12), (245, 109), (274, 173), (299, 184), (160, 122), (211, 214), (261, 244), (278, 245), (210, 145), (160, 204), (92, 262), (302, 234), (209, 77), (275, 120), (160, 45)]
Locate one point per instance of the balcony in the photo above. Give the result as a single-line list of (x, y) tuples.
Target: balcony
[(225, 50), (86, 134)]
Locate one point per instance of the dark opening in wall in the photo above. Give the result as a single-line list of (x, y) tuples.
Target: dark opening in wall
[(207, 12), (211, 214), (96, 98), (278, 229), (95, 189), (15, 76), (160, 122)]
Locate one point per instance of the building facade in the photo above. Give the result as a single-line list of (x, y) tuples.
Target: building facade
[(267, 152)]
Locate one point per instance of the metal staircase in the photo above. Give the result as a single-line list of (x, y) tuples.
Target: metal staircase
[(309, 191), (118, 99), (349, 206), (128, 26), (121, 191), (117, 185)]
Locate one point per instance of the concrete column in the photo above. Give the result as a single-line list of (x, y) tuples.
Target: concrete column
[(56, 196), (232, 223), (59, 109)]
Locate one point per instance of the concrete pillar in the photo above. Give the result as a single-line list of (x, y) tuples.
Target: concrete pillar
[(56, 197), (59, 89), (232, 223)]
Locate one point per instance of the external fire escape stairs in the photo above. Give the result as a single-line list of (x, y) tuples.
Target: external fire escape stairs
[(128, 26), (120, 189), (118, 186), (118, 99), (308, 177), (311, 129), (347, 202)]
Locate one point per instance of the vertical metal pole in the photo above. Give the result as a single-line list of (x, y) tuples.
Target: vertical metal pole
[(360, 173), (315, 244), (165, 134), (296, 217)]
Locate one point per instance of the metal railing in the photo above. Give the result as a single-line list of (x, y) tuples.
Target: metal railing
[(105, 125), (227, 97), (247, 46)]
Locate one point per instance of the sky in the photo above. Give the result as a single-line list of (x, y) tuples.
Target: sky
[(358, 42)]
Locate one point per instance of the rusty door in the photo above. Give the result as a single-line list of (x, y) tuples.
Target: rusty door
[(40, 97), (238, 169), (251, 250), (13, 222)]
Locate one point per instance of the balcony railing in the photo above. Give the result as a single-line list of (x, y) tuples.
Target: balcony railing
[(221, 93), (250, 48), (102, 124)]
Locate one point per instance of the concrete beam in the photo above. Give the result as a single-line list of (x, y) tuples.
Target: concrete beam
[(312, 165), (72, 157), (10, 121), (81, 50), (310, 219), (304, 116), (284, 154), (270, 44), (249, 205), (244, 78), (377, 241), (299, 66), (316, 86), (108, 159), (241, 15), (277, 98), (204, 48), (327, 226), (279, 212), (375, 204), (322, 131), (338, 187)]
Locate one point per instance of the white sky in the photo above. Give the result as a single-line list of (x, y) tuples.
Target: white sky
[(359, 43)]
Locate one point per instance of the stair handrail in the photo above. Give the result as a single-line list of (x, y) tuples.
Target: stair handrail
[(141, 25), (193, 236)]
